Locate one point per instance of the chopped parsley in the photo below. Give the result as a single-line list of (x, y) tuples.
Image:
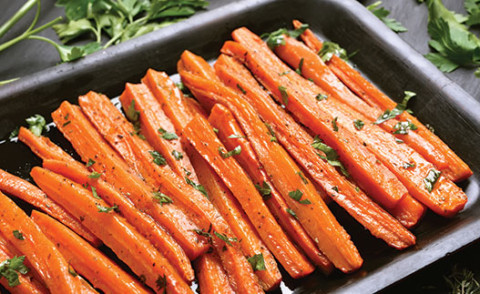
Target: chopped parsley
[(329, 49), (233, 152), (94, 193), (198, 187), (399, 109), (241, 89), (158, 159), (334, 124), (90, 162), (106, 209), (402, 127), (300, 174), (264, 190), (273, 138), (283, 92), (215, 130), (36, 124), (161, 282), (431, 178), (72, 271), (17, 234), (297, 196), (177, 155), (407, 165), (162, 198), (300, 66), (10, 268), (277, 38), (132, 114), (358, 124), (330, 156), (166, 135), (321, 97), (291, 212), (225, 238), (257, 262), (94, 175)]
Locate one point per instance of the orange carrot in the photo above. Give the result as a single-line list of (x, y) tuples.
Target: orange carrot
[(162, 241), (86, 260), (456, 169), (90, 145), (211, 275), (438, 193), (232, 135), (157, 128), (115, 232), (170, 97), (228, 206), (101, 111), (299, 143), (294, 52), (22, 189), (46, 260), (408, 212), (199, 132), (28, 283)]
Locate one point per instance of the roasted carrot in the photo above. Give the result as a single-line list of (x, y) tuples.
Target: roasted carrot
[(444, 197), (211, 276), (22, 189), (228, 206), (101, 111), (136, 251), (157, 128), (300, 145), (86, 260), (27, 283), (408, 212), (232, 135), (198, 132), (170, 97), (456, 169), (90, 145), (144, 224), (46, 260), (294, 52)]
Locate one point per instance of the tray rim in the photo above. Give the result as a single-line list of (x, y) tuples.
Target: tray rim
[(463, 102)]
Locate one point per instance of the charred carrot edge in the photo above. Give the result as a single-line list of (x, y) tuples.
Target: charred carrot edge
[(293, 52), (211, 276), (445, 199), (90, 145), (22, 189), (100, 109), (136, 251), (145, 225), (41, 253), (170, 97), (243, 229), (155, 126), (85, 259), (299, 144), (456, 169), (198, 132), (232, 135), (28, 284), (362, 165)]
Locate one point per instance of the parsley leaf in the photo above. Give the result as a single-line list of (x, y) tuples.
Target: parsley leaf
[(162, 198), (300, 65), (177, 155), (36, 124), (407, 165), (17, 234), (241, 89), (264, 190), (304, 180), (334, 124), (94, 175), (431, 178), (198, 187), (94, 193), (90, 162), (225, 238), (161, 282), (291, 212), (358, 124), (297, 196), (273, 138), (257, 262), (166, 135), (277, 38), (105, 209), (382, 14), (321, 97), (402, 127), (329, 49), (233, 152), (330, 156), (158, 159), (283, 92), (399, 109), (10, 268)]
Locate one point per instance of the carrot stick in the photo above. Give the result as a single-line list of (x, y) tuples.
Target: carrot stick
[(198, 132), (408, 212), (85, 259), (90, 145), (115, 232), (45, 259), (456, 169), (101, 110), (28, 283), (293, 52), (145, 225), (228, 206), (299, 143), (443, 197), (170, 97), (22, 189), (211, 275), (232, 135), (374, 178), (157, 128)]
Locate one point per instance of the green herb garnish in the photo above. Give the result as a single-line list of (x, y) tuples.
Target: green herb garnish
[(297, 196), (431, 178), (399, 109), (166, 135), (257, 262), (158, 159), (382, 14), (264, 190), (162, 198), (233, 152)]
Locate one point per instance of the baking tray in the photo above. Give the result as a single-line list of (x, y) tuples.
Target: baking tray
[(381, 55)]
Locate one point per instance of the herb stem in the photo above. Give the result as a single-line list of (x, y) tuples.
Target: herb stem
[(17, 16), (28, 34)]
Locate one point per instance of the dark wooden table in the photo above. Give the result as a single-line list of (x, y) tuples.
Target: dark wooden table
[(30, 57)]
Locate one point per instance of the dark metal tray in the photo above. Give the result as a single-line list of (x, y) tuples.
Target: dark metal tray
[(382, 56)]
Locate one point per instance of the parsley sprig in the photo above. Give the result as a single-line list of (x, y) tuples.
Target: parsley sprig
[(10, 268), (382, 14)]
